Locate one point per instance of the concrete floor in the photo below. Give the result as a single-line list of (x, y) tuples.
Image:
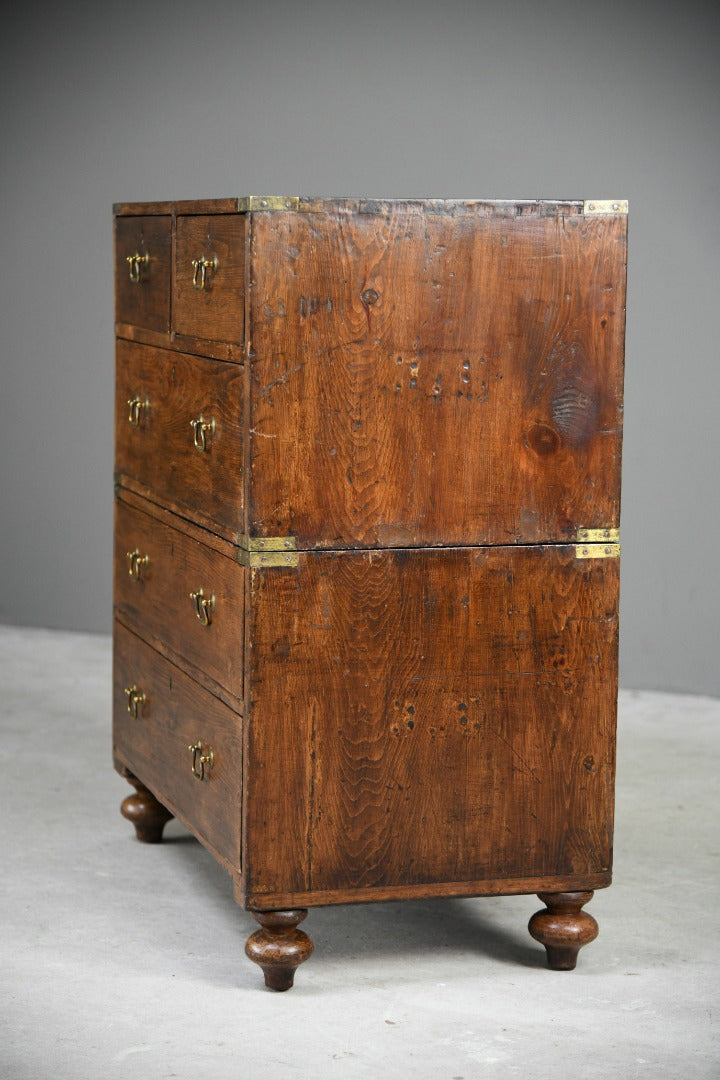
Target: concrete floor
[(126, 960)]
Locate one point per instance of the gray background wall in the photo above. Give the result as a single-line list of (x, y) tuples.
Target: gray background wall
[(514, 99)]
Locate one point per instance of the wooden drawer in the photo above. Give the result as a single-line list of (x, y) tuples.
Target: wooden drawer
[(157, 568), (208, 302), (142, 285), (155, 440), (175, 714)]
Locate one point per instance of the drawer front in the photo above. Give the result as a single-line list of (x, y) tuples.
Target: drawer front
[(209, 286), (153, 729), (160, 438), (142, 272), (177, 593)]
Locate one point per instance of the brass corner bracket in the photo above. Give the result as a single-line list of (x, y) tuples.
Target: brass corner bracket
[(597, 544), (594, 207), (247, 204), (267, 551)]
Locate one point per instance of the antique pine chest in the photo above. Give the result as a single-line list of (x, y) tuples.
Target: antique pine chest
[(366, 548)]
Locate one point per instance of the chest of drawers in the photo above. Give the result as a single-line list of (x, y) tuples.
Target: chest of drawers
[(367, 480)]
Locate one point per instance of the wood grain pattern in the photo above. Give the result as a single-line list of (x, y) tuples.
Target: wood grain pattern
[(154, 746), (435, 378), (431, 716), (145, 303), (217, 311), (159, 453), (158, 607)]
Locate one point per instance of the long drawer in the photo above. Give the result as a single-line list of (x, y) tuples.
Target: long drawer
[(183, 743), (178, 430), (181, 595)]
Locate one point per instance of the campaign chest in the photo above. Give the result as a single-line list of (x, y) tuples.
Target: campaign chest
[(367, 477)]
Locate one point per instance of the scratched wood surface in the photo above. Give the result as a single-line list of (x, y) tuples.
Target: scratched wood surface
[(145, 302), (154, 746), (430, 716), (157, 605), (159, 452), (218, 310), (424, 377)]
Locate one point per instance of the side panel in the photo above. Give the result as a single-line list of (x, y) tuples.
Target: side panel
[(429, 377), (419, 717)]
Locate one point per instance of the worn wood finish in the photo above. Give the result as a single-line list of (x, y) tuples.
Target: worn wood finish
[(426, 396), (563, 928), (160, 451), (425, 378), (145, 302), (430, 716), (279, 948), (144, 811), (216, 311), (156, 603), (154, 745)]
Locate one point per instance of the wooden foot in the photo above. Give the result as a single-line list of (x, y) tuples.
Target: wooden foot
[(147, 814), (279, 947), (563, 928)]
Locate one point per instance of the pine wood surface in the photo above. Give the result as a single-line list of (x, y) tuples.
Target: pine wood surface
[(430, 716), (145, 302), (158, 606), (430, 379), (159, 453), (154, 747)]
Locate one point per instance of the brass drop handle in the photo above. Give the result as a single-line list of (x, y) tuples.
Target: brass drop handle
[(135, 699), (136, 263), (135, 409), (137, 563), (204, 606), (203, 269), (201, 762), (203, 431)]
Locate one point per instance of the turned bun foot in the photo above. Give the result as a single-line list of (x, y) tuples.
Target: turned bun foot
[(147, 814), (563, 928), (279, 948)]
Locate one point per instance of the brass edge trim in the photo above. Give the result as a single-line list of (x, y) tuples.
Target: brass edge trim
[(268, 543), (597, 551), (597, 536), (288, 559), (248, 203), (593, 207)]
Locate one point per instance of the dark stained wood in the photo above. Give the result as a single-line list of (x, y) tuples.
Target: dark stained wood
[(160, 453), (154, 746), (157, 604), (563, 928), (427, 396), (146, 302), (427, 378), (147, 815), (279, 948), (420, 717), (216, 311)]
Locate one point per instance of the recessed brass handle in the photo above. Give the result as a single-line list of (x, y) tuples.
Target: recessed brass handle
[(204, 606), (135, 699), (137, 563), (202, 762), (136, 263), (135, 409), (203, 431), (203, 269)]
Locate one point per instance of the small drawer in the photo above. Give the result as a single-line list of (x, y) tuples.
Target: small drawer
[(209, 279), (142, 272), (178, 430), (159, 715), (181, 595)]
